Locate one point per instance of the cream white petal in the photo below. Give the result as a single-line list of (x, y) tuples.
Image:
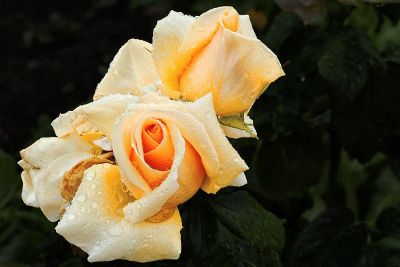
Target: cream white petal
[(104, 143), (47, 183), (142, 242), (240, 180), (131, 69), (230, 162), (28, 192), (101, 114), (90, 224), (168, 37), (41, 153), (24, 165), (245, 26), (153, 201)]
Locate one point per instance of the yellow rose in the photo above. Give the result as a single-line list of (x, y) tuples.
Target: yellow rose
[(216, 52), (164, 150)]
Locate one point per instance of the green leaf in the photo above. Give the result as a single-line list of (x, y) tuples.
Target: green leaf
[(389, 222), (283, 25), (376, 256), (233, 229), (352, 174), (371, 123), (344, 65), (385, 194), (9, 179), (385, 248), (238, 122), (241, 214), (331, 240), (289, 165), (389, 33), (364, 18)]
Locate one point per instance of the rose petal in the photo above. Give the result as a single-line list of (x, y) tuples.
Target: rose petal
[(28, 191), (230, 162), (131, 69), (190, 177), (44, 164), (235, 68), (101, 114), (178, 38), (168, 37), (153, 201), (48, 180), (240, 180), (245, 26), (216, 52), (88, 224), (197, 122), (41, 153)]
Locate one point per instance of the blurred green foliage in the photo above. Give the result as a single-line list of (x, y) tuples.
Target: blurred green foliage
[(327, 163)]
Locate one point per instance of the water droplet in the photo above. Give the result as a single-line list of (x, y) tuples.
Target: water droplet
[(115, 231), (90, 176), (81, 197), (124, 188)]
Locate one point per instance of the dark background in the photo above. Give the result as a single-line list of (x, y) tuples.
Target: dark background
[(327, 162)]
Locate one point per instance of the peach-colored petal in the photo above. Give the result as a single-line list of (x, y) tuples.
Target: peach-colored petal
[(230, 162), (216, 52), (153, 201), (178, 38), (235, 68), (190, 177)]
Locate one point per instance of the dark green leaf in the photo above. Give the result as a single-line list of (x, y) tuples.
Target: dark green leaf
[(242, 215), (9, 178), (385, 248), (281, 28), (330, 240), (288, 165), (233, 229), (344, 65)]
